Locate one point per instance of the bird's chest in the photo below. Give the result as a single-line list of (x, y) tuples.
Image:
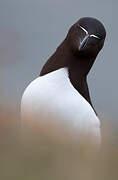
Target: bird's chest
[(59, 109), (60, 103)]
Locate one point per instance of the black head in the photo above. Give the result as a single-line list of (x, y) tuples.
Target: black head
[(78, 52), (87, 36)]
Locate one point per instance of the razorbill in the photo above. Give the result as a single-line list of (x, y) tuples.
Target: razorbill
[(58, 101)]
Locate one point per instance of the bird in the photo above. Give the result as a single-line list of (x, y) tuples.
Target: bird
[(58, 102)]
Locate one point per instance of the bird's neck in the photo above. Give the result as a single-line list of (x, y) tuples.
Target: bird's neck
[(78, 67), (78, 78)]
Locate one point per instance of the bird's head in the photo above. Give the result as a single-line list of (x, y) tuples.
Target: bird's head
[(86, 37)]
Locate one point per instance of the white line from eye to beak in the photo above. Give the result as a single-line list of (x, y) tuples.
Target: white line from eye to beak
[(84, 29), (92, 35)]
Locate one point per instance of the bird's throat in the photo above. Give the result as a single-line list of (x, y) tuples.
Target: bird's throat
[(78, 77)]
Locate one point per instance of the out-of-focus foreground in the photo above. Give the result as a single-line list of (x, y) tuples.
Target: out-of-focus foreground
[(35, 157), (30, 31)]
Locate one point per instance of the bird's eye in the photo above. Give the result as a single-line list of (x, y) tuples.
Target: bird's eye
[(94, 41)]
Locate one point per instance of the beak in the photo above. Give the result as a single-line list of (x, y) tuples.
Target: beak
[(84, 42)]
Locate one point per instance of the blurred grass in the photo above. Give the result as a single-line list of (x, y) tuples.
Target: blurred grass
[(36, 157)]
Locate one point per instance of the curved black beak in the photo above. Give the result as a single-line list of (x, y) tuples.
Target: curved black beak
[(84, 42)]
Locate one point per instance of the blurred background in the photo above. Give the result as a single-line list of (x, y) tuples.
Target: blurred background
[(31, 30)]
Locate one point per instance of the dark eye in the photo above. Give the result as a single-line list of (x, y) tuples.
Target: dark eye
[(94, 41)]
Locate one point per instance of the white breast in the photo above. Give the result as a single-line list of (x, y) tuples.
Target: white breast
[(59, 110)]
